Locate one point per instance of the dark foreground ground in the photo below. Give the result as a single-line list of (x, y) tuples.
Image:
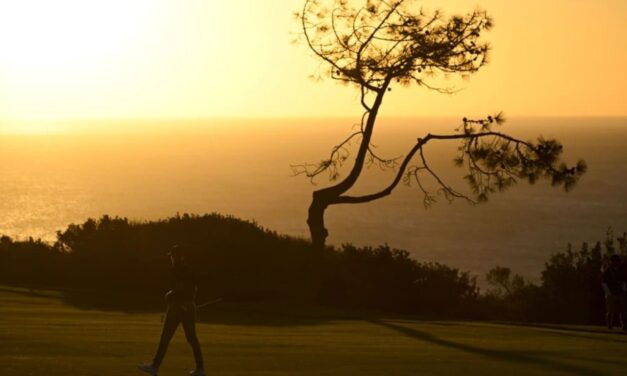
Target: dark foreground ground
[(39, 335)]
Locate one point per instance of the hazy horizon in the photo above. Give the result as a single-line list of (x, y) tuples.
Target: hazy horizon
[(103, 125), (244, 170)]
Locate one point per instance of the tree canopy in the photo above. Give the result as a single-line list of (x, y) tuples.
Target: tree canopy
[(373, 44)]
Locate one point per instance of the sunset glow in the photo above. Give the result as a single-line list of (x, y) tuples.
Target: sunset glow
[(313, 187), (193, 58)]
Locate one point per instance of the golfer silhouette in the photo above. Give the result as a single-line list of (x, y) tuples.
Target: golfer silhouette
[(181, 309)]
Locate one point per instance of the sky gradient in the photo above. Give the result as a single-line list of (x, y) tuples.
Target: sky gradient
[(198, 58)]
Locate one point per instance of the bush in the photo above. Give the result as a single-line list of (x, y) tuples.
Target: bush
[(122, 261)]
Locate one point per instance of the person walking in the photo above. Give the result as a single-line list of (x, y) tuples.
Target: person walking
[(614, 286), (181, 309)]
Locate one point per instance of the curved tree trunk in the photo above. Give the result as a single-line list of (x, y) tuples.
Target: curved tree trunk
[(315, 221), (326, 197)]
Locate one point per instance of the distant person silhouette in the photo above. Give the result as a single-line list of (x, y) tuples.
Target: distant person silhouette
[(614, 286), (181, 310)]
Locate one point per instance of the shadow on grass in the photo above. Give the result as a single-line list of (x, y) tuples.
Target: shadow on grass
[(90, 300), (622, 363), (275, 313), (517, 357), (30, 292), (616, 335), (254, 313), (112, 302), (245, 313)]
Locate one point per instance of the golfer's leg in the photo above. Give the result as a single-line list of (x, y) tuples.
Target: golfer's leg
[(189, 325), (170, 324)]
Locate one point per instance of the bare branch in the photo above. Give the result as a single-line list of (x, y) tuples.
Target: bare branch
[(339, 154), (447, 190), (382, 163)]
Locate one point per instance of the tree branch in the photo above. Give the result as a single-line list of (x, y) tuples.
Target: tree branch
[(514, 163)]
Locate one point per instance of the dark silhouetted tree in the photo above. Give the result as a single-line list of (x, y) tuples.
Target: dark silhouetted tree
[(373, 44), (502, 282)]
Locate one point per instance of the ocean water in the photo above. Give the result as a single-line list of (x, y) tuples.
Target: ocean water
[(153, 169)]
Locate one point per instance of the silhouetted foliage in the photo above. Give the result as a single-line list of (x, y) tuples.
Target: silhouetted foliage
[(30, 262), (375, 44), (124, 264), (570, 291), (572, 281), (388, 279), (120, 264)]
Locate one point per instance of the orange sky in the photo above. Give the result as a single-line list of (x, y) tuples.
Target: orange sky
[(199, 58)]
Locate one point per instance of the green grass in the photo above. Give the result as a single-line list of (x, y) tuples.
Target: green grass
[(39, 335)]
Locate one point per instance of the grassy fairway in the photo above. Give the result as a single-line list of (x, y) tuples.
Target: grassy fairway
[(41, 336)]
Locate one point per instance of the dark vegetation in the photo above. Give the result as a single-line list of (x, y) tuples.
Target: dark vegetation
[(570, 291), (124, 264), (118, 264)]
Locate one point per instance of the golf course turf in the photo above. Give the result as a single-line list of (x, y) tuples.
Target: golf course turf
[(40, 335)]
